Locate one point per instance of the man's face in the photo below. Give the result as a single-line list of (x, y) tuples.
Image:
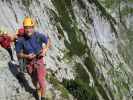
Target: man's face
[(28, 30)]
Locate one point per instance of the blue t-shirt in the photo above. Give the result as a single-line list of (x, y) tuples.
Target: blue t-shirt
[(31, 44)]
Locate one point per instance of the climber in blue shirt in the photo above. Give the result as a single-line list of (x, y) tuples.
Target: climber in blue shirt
[(30, 47)]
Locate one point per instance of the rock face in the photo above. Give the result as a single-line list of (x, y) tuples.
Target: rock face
[(91, 53), (18, 86), (11, 88)]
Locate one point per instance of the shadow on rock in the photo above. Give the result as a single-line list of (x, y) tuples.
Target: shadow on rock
[(22, 80)]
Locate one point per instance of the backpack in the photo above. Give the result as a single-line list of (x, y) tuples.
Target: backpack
[(5, 41), (20, 32)]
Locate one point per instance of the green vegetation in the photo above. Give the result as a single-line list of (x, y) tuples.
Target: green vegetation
[(80, 90), (26, 3), (52, 79), (75, 46)]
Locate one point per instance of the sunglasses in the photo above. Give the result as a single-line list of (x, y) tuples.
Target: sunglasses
[(28, 27)]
